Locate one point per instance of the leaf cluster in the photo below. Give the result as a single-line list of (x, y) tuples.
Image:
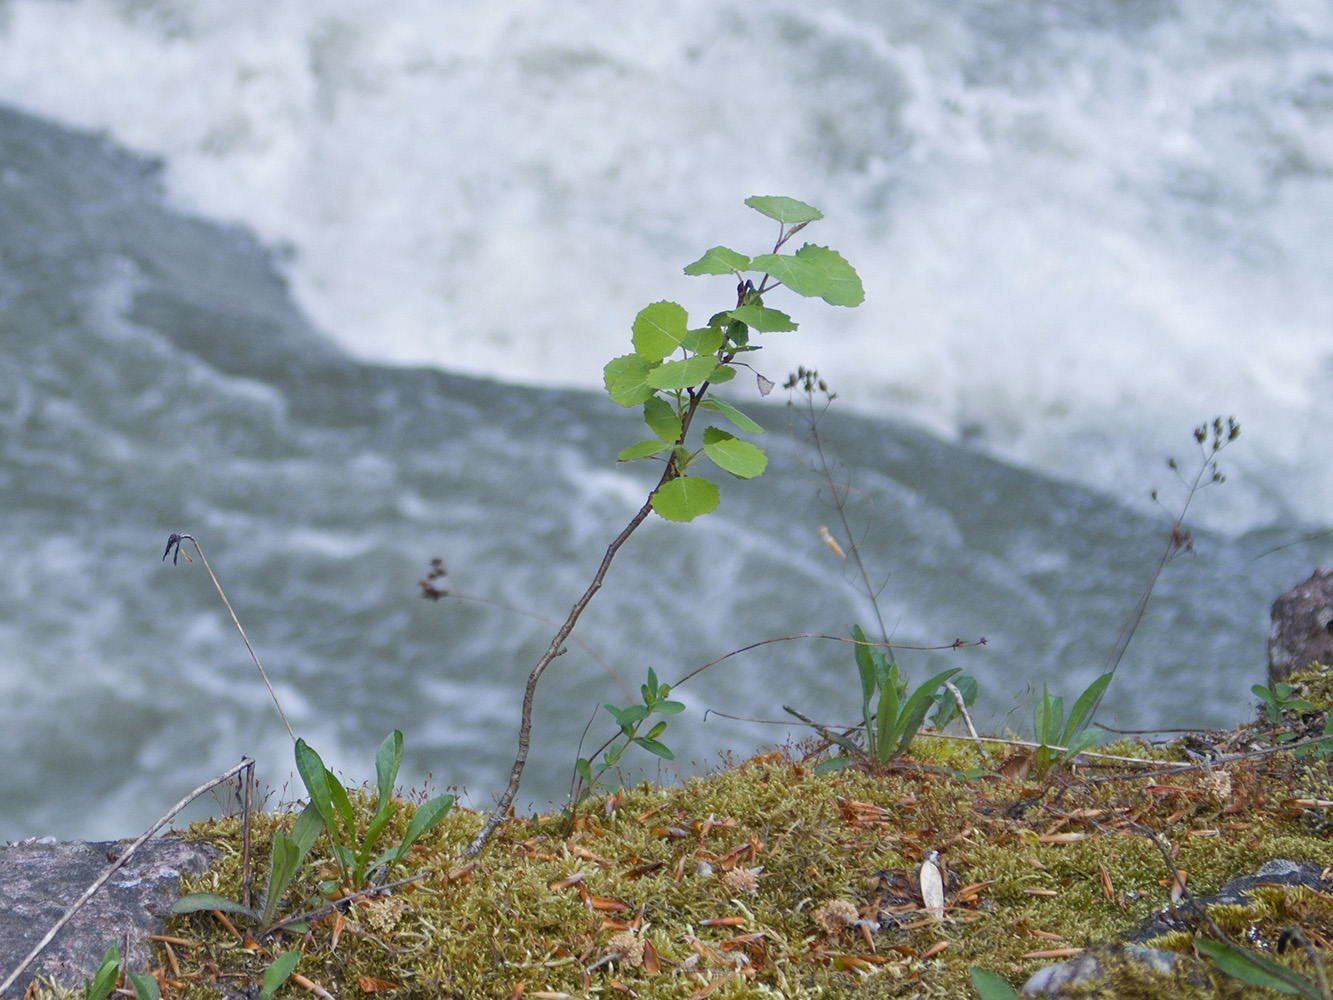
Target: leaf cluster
[(673, 364), (354, 850), (630, 719), (1069, 737), (892, 716)]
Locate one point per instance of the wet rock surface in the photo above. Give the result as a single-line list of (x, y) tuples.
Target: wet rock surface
[(40, 881), (1302, 626)]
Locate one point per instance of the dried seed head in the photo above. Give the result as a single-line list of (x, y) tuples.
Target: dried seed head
[(1218, 786), (383, 914), (627, 949), (836, 915), (743, 880)]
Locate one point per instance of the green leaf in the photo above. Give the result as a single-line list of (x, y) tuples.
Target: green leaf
[(738, 457), (1087, 701), (1253, 968), (844, 286), (1084, 740), (626, 379), (731, 413), (629, 715), (704, 340), (719, 260), (989, 986), (316, 778), (105, 979), (655, 748), (197, 901), (685, 498), (145, 986), (306, 829), (584, 769), (284, 863), (278, 972), (722, 374), (388, 758), (763, 319), (668, 707), (659, 330), (662, 419), (642, 449), (428, 816), (914, 712), (786, 210), (682, 374), (802, 276)]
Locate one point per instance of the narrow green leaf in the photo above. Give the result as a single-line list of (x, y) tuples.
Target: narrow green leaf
[(145, 986), (656, 749), (1253, 968), (682, 374), (719, 260), (662, 419), (786, 210), (643, 449), (1084, 740), (105, 979), (388, 758), (844, 286), (306, 829), (989, 986), (914, 712), (668, 707), (804, 277), (886, 718), (342, 803), (316, 778), (832, 765), (763, 319), (278, 972), (1078, 715), (685, 498), (731, 413), (196, 902), (428, 816), (659, 330), (284, 863), (626, 379), (740, 458)]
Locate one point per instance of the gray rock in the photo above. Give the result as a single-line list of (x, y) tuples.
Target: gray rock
[(39, 881), (1302, 630)]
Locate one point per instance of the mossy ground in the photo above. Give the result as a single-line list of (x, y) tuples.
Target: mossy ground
[(720, 886)]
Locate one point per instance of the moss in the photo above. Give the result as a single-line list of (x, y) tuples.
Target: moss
[(1032, 869)]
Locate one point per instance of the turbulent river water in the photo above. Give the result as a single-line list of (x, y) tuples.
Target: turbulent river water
[(331, 288)]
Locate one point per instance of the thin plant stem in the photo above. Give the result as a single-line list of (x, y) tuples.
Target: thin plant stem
[(176, 540), (116, 865), (838, 495)]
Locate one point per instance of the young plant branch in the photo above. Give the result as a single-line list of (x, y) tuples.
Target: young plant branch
[(670, 373)]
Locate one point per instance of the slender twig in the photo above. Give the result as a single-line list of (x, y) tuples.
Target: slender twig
[(116, 865), (962, 710), (1178, 541), (956, 644), (175, 542)]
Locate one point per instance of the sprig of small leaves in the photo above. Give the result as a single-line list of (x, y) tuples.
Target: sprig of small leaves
[(674, 365), (630, 719)]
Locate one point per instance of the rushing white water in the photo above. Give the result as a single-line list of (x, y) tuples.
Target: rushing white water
[(1082, 228)]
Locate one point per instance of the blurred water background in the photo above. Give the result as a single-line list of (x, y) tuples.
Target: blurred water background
[(330, 286)]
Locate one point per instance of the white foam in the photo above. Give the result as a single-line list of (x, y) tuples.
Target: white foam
[(1078, 239)]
